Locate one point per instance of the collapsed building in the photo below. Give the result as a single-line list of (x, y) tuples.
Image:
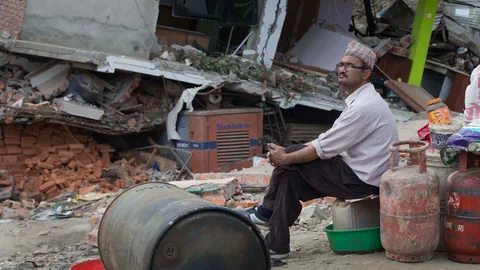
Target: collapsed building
[(88, 74)]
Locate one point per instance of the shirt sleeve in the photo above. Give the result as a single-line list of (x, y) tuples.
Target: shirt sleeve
[(350, 129)]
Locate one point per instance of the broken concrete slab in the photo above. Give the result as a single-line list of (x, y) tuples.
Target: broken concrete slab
[(77, 109), (225, 188), (86, 88), (383, 47), (321, 48), (51, 81), (126, 87)]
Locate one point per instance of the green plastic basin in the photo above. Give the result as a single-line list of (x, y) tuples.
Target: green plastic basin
[(354, 241)]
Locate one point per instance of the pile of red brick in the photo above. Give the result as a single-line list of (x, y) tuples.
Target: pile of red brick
[(46, 159)]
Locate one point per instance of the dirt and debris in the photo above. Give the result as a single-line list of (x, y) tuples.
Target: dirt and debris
[(238, 68), (117, 103)]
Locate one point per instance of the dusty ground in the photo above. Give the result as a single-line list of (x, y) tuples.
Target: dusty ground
[(57, 244)]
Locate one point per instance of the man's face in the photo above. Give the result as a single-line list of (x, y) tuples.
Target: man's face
[(352, 71)]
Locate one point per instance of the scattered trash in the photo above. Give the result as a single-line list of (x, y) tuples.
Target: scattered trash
[(57, 213)]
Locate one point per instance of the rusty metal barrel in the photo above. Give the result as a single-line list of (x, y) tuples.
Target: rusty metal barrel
[(409, 206), (159, 226), (462, 220)]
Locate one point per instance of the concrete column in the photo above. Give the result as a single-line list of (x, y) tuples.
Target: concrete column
[(422, 32), (267, 34)]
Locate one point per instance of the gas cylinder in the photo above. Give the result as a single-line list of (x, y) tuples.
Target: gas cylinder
[(409, 206), (441, 172), (462, 219)]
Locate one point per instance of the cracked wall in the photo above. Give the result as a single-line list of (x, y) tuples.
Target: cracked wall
[(269, 30), (112, 26)]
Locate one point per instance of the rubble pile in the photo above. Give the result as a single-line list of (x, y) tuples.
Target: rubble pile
[(396, 46), (238, 68), (106, 103), (41, 161)]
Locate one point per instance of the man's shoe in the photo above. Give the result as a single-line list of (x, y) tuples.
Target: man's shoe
[(278, 256), (252, 215)]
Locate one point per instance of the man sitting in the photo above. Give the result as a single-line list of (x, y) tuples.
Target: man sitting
[(345, 162)]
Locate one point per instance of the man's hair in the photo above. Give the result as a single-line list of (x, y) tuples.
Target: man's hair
[(367, 67)]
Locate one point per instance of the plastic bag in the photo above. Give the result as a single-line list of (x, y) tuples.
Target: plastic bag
[(472, 97)]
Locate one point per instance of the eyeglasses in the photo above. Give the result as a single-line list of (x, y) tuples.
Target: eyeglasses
[(349, 66)]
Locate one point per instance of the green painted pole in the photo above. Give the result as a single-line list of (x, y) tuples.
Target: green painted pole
[(422, 32)]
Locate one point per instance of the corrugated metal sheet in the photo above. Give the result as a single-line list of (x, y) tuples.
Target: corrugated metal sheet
[(465, 13), (437, 21)]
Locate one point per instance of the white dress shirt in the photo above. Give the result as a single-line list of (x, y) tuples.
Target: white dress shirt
[(362, 135)]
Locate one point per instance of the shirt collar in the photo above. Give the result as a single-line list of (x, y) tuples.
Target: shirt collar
[(349, 100)]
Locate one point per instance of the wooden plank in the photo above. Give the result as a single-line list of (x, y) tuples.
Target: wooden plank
[(456, 98), (415, 96), (182, 37)]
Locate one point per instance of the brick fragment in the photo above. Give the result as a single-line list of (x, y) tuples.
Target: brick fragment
[(11, 133), (13, 150), (30, 151), (66, 154), (72, 165), (216, 199), (53, 161), (10, 159), (46, 186), (28, 140), (406, 41), (400, 51), (42, 156), (32, 161), (45, 165), (76, 146), (12, 141), (16, 167), (86, 190), (62, 147), (22, 214), (5, 183)]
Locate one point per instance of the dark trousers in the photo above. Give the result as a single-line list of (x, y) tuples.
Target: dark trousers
[(303, 182)]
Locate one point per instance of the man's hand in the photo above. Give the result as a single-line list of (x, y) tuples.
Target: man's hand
[(277, 155)]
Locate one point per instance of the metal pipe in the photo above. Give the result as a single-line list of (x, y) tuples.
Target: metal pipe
[(243, 42), (229, 39)]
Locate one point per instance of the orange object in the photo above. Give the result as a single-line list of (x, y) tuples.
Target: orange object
[(438, 113), (221, 140)]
